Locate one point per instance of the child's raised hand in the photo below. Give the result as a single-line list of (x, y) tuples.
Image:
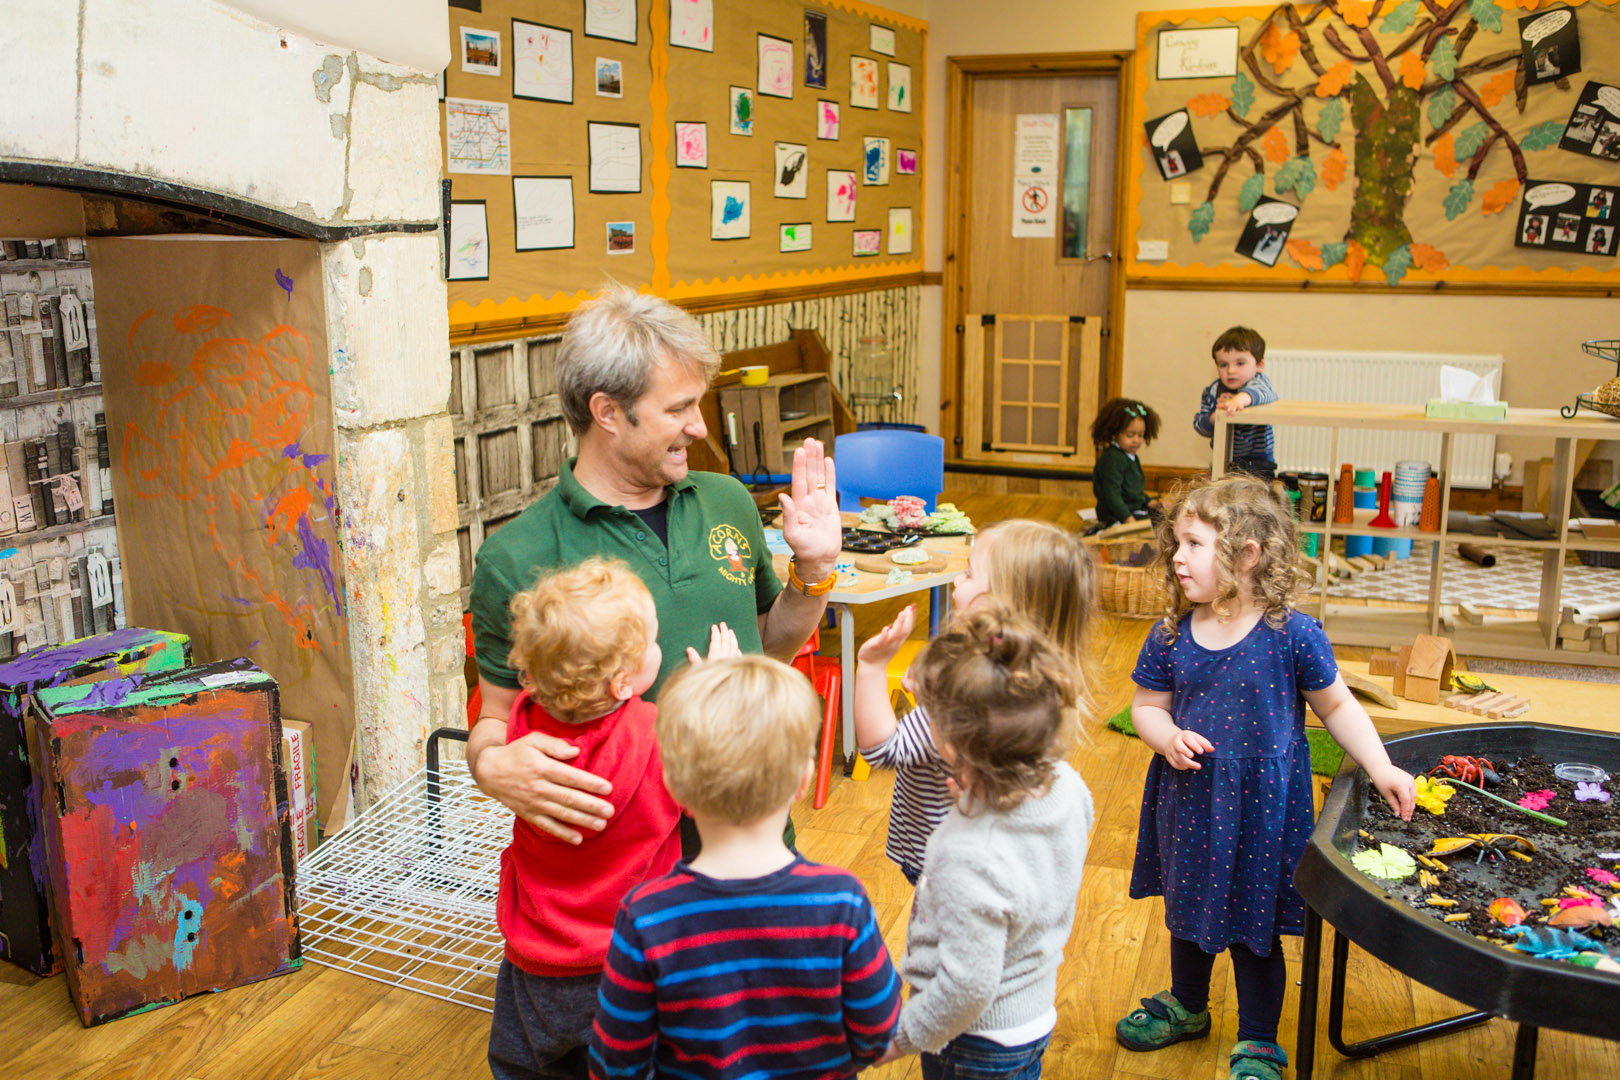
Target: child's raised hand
[(1184, 747), (722, 644), (881, 646), (1397, 788)]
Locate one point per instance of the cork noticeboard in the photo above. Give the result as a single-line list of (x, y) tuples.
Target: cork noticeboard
[(673, 200), (1360, 144)]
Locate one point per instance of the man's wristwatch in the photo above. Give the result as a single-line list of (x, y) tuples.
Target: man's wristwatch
[(818, 588)]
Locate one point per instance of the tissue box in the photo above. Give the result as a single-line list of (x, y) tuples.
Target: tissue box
[(1438, 409)]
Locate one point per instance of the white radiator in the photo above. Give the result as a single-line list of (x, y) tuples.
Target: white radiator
[(1382, 377)]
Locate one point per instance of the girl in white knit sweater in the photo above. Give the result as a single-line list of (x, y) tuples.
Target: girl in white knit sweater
[(996, 899)]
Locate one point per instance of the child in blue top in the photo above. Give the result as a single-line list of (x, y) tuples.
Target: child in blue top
[(1222, 686), (1123, 426), (1240, 363)]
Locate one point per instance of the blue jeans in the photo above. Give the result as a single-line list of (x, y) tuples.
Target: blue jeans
[(970, 1057)]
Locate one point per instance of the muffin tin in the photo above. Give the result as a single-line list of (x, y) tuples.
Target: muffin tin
[(867, 542)]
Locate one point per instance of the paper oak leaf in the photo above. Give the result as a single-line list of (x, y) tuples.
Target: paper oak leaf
[(1354, 12), (1441, 106), (1279, 49), (1355, 259), (1329, 120), (1202, 218), (1211, 104), (1428, 257), (1249, 194), (1305, 253), (1275, 146), (1335, 79), (1458, 198), (1489, 17), (1470, 139), (1298, 176), (1444, 59), (1400, 17), (1333, 167), (1496, 87), (1388, 862), (1445, 155), (1242, 94), (1543, 135), (1501, 193), (1333, 254), (1397, 263), (1412, 70)]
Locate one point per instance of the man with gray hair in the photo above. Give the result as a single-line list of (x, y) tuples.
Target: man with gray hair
[(630, 373)]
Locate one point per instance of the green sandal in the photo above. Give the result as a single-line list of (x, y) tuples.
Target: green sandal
[(1253, 1059), (1159, 1022)]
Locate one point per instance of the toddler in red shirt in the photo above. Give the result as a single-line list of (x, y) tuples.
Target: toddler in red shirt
[(585, 641)]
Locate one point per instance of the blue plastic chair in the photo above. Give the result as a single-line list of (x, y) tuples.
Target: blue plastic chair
[(885, 463)]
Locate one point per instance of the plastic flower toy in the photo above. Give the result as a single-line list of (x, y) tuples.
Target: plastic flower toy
[(1432, 794), (1590, 791), (1536, 800), (1602, 877)]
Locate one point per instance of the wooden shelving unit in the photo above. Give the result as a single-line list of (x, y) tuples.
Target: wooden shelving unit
[(771, 420), (1525, 640)]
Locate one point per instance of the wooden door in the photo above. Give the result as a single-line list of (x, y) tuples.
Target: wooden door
[(1034, 284)]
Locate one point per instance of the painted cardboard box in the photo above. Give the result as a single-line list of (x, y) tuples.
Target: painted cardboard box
[(168, 835), (25, 922), (298, 758)]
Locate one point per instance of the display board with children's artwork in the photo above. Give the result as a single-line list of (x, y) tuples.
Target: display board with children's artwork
[(732, 114), (1394, 144)]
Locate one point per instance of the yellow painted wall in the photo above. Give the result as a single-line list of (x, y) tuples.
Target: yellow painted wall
[(1167, 334)]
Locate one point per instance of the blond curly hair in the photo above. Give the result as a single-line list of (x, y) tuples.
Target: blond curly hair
[(1241, 510), (576, 630)]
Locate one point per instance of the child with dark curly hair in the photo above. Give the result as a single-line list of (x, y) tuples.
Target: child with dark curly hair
[(1222, 685), (1123, 426)]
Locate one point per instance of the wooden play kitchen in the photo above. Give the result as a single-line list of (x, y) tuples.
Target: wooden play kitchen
[(1520, 639)]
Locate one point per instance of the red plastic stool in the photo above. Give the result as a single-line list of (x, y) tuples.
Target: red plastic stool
[(827, 679)]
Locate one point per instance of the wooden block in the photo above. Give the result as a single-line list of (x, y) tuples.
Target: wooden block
[(1403, 657), (1364, 563), (1369, 689), (1497, 712), (1517, 710), (1594, 632), (1381, 664), (1339, 565), (1611, 642), (1479, 706), (1448, 623), (1571, 631), (1470, 614), (1576, 644), (1424, 691), (1461, 700)]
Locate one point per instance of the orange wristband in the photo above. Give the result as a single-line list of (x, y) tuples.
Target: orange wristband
[(819, 588)]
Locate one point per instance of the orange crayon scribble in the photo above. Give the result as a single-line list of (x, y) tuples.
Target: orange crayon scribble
[(153, 373), (292, 506), (200, 318), (236, 455)]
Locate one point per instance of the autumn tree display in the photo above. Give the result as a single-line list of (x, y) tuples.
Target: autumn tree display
[(1418, 88)]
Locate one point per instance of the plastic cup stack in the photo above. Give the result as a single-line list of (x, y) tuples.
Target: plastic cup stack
[(1364, 497)]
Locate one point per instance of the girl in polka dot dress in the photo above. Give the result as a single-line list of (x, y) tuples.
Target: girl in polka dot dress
[(1222, 686)]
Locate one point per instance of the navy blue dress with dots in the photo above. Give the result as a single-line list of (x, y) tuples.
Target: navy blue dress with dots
[(1220, 843)]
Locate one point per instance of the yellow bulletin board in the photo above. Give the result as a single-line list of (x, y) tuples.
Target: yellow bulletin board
[(674, 209), (1411, 144)]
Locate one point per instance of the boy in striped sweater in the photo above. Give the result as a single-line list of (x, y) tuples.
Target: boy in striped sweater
[(749, 960), (1240, 362)]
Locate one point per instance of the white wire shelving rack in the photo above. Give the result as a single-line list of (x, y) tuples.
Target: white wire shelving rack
[(405, 895)]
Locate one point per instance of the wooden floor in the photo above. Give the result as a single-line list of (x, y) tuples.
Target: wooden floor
[(320, 1023)]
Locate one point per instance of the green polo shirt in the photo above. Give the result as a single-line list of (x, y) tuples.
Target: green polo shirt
[(715, 569)]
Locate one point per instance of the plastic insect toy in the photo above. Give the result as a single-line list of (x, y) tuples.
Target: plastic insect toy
[(1472, 770), (1489, 844)]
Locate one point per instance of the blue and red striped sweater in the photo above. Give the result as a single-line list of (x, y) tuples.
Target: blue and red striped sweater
[(781, 976)]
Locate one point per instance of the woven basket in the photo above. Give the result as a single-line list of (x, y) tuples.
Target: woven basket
[(1134, 592)]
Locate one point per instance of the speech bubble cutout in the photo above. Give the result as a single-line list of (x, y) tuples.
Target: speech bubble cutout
[(1548, 195), (1546, 26), (1609, 98), (1275, 213), (1166, 132)]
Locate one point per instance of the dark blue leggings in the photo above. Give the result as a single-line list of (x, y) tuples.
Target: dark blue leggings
[(1260, 983)]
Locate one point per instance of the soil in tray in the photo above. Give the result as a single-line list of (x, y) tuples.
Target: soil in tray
[(1561, 859)]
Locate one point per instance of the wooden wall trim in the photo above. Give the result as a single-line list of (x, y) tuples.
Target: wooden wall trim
[(476, 333), (1425, 288)]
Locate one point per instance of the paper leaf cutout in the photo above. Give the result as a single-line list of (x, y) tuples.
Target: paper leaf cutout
[(1470, 139), (1445, 154), (1543, 136), (1242, 94), (1298, 176), (1458, 198), (1305, 253), (1355, 259), (1202, 218), (1412, 69), (1333, 167), (1333, 254), (1354, 12), (1488, 15), (1428, 257), (1249, 194), (1499, 196), (1444, 59), (1397, 263), (1278, 48), (1441, 105), (1400, 17), (1275, 146), (1211, 104), (1497, 87), (1536, 800), (1330, 119), (1388, 862), (1335, 79)]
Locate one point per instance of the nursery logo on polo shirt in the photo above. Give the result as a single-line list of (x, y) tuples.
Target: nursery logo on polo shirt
[(731, 550)]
